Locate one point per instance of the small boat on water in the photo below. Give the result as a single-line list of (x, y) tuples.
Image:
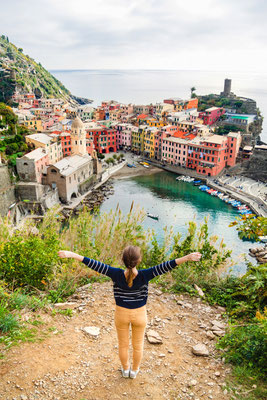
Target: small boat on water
[(156, 217), (263, 239), (130, 165), (185, 178)]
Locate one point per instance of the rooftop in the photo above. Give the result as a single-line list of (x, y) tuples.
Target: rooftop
[(40, 137), (36, 154), (68, 165), (212, 109)]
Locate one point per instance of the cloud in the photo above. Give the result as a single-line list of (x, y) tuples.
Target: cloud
[(139, 34)]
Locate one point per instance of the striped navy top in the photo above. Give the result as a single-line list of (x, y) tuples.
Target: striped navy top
[(125, 296)]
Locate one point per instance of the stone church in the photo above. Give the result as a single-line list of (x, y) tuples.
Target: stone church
[(68, 174)]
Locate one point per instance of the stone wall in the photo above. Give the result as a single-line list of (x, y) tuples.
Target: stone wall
[(255, 167), (7, 190)]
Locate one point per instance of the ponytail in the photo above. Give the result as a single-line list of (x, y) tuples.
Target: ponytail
[(129, 278), (131, 257)]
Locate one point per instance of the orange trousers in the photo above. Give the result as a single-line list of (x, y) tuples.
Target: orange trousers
[(137, 318)]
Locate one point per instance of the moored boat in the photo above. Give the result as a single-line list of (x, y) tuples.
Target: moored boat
[(156, 217)]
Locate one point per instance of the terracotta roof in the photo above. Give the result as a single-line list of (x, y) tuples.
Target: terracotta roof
[(142, 116)]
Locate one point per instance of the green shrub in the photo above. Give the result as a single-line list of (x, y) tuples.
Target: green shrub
[(8, 321), (247, 346), (28, 260)]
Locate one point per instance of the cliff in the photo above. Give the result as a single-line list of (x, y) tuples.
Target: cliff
[(22, 73)]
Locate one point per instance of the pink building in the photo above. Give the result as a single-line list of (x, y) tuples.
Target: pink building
[(209, 155), (174, 151), (123, 135), (31, 166), (165, 132), (211, 115), (234, 142)]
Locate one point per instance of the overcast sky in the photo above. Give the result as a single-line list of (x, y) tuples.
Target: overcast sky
[(228, 35)]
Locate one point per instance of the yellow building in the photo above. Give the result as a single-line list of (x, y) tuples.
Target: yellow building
[(149, 142), (153, 122), (52, 145), (138, 138), (35, 124)]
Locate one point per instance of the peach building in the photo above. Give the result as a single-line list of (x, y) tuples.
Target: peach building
[(209, 155), (31, 166)]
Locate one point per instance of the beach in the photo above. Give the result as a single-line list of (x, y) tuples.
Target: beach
[(127, 172)]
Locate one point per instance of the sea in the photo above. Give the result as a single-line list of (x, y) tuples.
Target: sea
[(176, 203), (150, 86)]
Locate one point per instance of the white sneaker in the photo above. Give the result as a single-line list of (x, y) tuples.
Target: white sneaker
[(125, 372), (133, 374)]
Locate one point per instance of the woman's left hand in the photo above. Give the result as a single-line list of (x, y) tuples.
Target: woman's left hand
[(194, 256)]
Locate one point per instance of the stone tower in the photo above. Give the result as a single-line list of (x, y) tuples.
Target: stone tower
[(227, 87), (78, 138)]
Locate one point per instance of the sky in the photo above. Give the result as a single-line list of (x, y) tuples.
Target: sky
[(220, 35)]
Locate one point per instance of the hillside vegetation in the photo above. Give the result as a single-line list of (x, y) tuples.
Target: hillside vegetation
[(21, 72)]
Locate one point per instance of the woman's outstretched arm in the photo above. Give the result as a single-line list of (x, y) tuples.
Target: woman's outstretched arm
[(70, 254), (169, 265), (97, 266), (189, 257)]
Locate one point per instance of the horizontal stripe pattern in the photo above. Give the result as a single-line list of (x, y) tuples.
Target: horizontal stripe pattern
[(97, 265), (163, 268), (136, 296)]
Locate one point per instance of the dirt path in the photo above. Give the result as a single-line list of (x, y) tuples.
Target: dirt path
[(73, 365)]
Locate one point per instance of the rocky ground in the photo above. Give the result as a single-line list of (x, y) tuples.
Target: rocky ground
[(79, 360)]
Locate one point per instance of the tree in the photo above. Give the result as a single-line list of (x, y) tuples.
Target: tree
[(20, 50), (193, 89)]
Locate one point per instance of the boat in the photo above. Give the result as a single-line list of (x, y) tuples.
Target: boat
[(156, 217), (145, 166), (129, 165), (263, 239)]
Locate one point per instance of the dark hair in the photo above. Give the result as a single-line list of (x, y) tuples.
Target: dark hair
[(131, 257)]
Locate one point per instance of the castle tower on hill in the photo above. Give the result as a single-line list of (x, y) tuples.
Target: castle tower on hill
[(78, 138), (227, 87)]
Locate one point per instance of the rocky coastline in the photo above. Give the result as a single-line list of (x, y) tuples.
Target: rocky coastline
[(260, 253)]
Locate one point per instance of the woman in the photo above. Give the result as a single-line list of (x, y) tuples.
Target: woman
[(130, 288)]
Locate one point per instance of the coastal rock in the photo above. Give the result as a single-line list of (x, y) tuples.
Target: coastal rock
[(91, 330), (200, 350), (253, 251), (153, 337)]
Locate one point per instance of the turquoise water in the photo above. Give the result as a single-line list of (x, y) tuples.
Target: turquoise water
[(176, 203)]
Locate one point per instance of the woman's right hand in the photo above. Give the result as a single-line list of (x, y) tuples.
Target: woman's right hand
[(65, 254)]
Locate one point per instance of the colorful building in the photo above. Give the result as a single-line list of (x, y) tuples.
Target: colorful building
[(52, 145), (149, 142), (180, 104), (123, 135), (211, 115), (31, 166), (209, 155), (104, 139), (138, 139)]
